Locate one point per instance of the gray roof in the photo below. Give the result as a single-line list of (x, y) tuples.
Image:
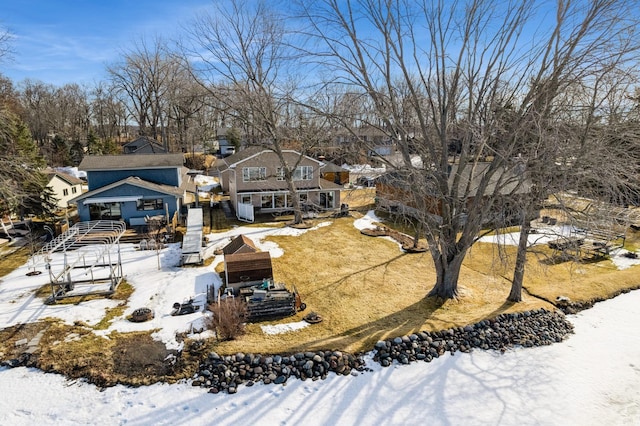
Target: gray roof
[(127, 162), (504, 181), (71, 180), (329, 167), (227, 162), (143, 145), (325, 184), (251, 151)]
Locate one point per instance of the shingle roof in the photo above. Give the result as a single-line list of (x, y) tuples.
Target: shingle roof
[(71, 180), (329, 167), (226, 162), (244, 262), (126, 162), (239, 244), (505, 181), (325, 184)]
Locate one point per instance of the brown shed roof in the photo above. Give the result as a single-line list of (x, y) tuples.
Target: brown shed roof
[(239, 244), (247, 262)]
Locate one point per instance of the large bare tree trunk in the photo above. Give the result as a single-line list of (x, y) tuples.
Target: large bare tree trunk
[(447, 274), (515, 295)]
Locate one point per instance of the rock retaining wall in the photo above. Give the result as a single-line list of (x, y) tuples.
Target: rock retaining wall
[(527, 329)]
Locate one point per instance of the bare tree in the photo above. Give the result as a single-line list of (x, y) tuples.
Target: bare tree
[(465, 95), (185, 99), (5, 45), (108, 113), (142, 80), (246, 67)]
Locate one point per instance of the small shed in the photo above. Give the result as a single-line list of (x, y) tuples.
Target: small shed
[(334, 173), (247, 269)]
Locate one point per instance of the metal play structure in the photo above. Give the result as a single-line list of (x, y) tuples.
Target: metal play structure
[(84, 260)]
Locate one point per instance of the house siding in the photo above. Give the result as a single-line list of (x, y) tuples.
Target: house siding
[(58, 186), (129, 209), (270, 161)]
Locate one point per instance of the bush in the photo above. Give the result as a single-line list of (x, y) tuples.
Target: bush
[(229, 317)]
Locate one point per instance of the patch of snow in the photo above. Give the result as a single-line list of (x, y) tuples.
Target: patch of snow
[(368, 221), (364, 169), (73, 171), (206, 184), (283, 328), (550, 233)]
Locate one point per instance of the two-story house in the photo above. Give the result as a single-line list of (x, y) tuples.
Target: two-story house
[(255, 177), (64, 187), (133, 187)]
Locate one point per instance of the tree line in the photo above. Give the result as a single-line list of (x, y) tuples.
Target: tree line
[(491, 106)]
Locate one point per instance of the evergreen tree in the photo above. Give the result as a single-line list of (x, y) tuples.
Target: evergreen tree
[(76, 153), (23, 188), (61, 153), (94, 147)]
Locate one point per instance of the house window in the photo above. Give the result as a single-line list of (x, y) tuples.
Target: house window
[(106, 211), (65, 192), (280, 174), (303, 173), (251, 174), (327, 200), (267, 201), (279, 200), (74, 190), (245, 199), (150, 204)]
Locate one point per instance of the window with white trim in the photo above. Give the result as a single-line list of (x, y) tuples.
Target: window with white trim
[(280, 174), (65, 192), (149, 204), (303, 173), (252, 174), (267, 201)]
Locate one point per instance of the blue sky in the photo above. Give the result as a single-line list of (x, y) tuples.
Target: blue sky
[(71, 41)]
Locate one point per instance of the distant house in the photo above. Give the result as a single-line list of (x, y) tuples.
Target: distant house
[(64, 186), (134, 187), (507, 188), (334, 173), (225, 146), (255, 181), (143, 145), (244, 265)]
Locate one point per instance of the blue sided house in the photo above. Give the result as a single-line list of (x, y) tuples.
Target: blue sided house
[(134, 187)]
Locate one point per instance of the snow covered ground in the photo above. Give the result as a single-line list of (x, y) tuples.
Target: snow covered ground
[(592, 378)]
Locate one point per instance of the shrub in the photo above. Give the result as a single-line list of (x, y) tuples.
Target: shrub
[(228, 319)]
